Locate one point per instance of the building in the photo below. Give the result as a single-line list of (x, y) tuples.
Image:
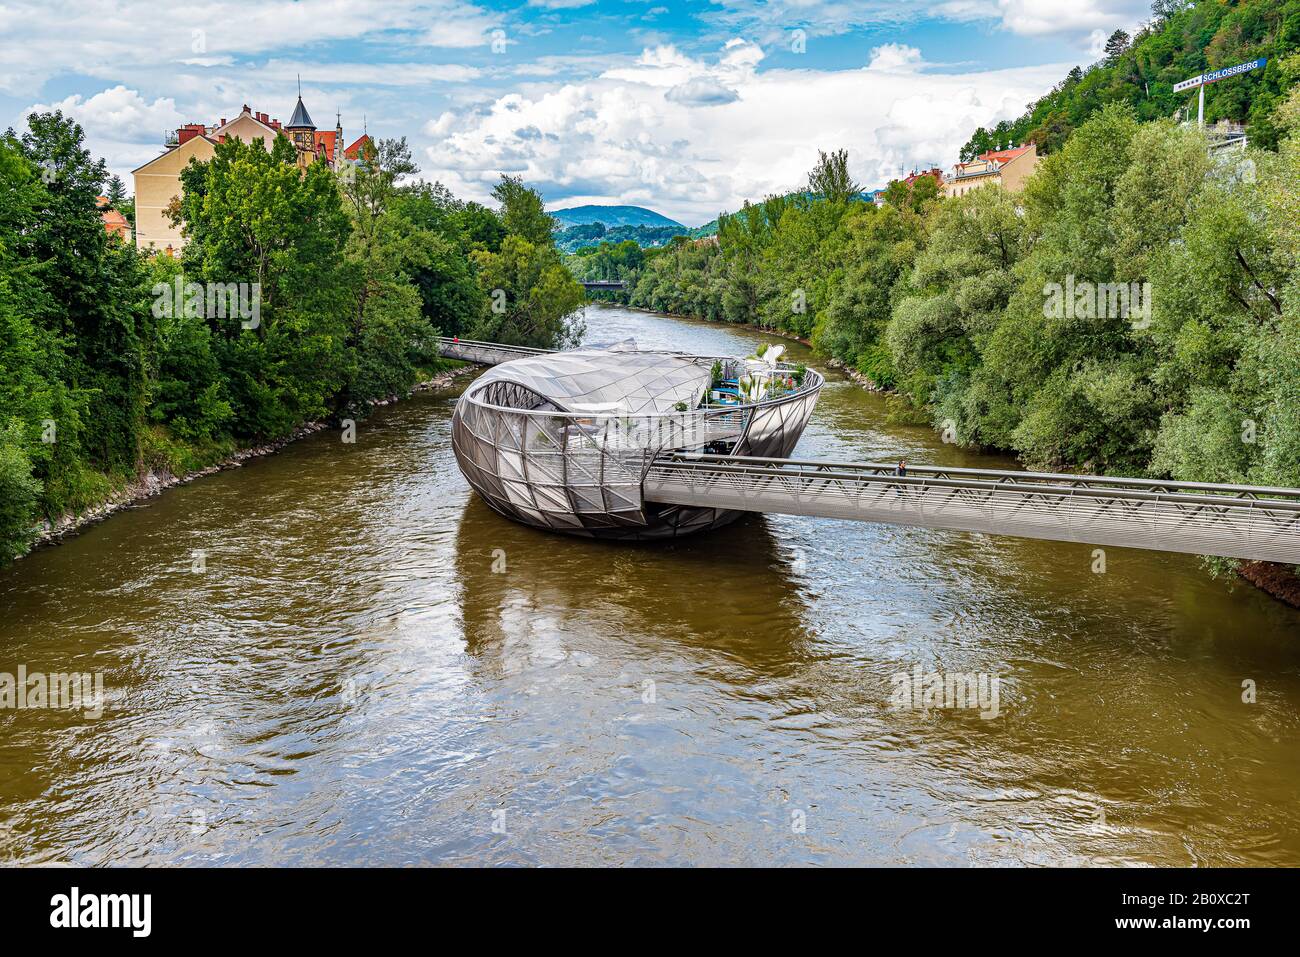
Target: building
[(1008, 168), (158, 184), (934, 173), (115, 224)]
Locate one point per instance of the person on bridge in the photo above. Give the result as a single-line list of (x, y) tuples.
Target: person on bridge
[(902, 467)]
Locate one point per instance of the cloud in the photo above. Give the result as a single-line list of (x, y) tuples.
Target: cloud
[(770, 20), (115, 40), (1079, 18), (702, 91), (625, 136), (895, 57), (119, 122)]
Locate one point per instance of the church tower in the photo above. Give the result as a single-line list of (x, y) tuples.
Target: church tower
[(301, 130)]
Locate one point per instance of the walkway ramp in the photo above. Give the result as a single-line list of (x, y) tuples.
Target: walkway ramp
[(1232, 521), (483, 353)]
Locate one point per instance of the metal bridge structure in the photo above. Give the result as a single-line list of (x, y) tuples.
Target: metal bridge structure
[(589, 285), (483, 353), (1232, 521)]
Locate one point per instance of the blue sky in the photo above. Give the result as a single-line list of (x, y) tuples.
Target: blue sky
[(689, 108)]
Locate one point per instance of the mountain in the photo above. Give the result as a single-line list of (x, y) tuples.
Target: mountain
[(612, 216), (573, 238)]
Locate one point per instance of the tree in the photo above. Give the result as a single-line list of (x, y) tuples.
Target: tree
[(115, 192), (523, 213), (253, 216), (94, 300), (529, 297), (1117, 44), (389, 334), (830, 178), (1163, 10), (449, 294)]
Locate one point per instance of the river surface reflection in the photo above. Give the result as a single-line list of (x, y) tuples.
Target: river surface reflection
[(374, 668)]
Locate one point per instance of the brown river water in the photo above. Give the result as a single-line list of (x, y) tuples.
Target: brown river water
[(373, 668)]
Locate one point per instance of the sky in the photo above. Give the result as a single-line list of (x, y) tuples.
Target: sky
[(688, 108)]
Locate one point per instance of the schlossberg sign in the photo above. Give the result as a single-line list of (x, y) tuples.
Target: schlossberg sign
[(1206, 78)]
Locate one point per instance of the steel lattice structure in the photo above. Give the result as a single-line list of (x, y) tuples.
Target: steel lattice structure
[(592, 479), (1233, 521), (563, 440)]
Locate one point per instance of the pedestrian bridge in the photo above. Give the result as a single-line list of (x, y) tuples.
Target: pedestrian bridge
[(1232, 521), (483, 353)]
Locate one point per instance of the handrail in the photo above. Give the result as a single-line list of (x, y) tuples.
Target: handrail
[(454, 341), (812, 380), (1237, 496)]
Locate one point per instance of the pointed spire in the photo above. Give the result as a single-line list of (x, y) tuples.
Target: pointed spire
[(301, 120)]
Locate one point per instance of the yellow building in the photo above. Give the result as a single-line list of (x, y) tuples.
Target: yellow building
[(158, 184), (1009, 168)]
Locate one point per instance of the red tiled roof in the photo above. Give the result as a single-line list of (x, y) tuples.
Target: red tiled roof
[(1002, 156), (326, 137), (935, 174), (354, 151), (114, 222)]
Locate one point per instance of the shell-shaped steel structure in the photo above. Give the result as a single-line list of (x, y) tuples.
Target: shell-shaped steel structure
[(563, 440)]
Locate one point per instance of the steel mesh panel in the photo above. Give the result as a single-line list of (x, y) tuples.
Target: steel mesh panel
[(536, 437)]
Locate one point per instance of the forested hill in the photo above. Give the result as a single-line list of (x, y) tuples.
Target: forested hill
[(593, 234), (612, 216), (1182, 40)]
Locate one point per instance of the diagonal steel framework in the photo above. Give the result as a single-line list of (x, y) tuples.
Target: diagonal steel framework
[(484, 353), (596, 483), (1245, 522)]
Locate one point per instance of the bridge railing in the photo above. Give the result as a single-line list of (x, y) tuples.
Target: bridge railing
[(1004, 479), (484, 353), (1235, 521)]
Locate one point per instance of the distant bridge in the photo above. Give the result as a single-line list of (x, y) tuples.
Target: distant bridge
[(603, 284), (1233, 521)]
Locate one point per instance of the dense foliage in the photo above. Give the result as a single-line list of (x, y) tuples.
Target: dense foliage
[(576, 238), (106, 372), (1183, 39)]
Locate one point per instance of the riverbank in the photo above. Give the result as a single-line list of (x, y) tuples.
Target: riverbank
[(156, 480)]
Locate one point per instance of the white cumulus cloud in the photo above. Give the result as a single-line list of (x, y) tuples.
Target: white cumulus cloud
[(623, 136)]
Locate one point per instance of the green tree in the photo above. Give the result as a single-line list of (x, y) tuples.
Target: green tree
[(389, 336), (115, 192), (523, 213), (1117, 44), (830, 178), (530, 298), (252, 216)]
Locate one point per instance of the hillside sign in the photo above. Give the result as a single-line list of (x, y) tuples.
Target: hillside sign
[(1213, 77), (1217, 75)]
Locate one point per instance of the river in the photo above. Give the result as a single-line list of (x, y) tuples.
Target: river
[(367, 666)]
